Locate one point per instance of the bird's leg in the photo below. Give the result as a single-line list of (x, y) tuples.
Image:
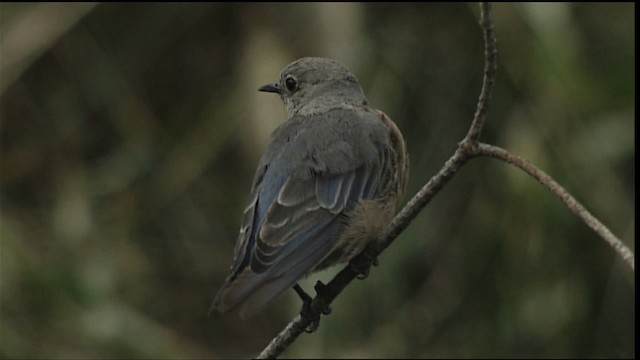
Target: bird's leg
[(320, 296), (306, 299), (361, 264), (307, 302), (306, 312), (303, 295)]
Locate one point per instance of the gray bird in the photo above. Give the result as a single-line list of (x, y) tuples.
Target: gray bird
[(328, 184)]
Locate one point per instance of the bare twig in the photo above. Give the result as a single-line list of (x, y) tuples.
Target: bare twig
[(489, 79), (285, 338), (493, 151)]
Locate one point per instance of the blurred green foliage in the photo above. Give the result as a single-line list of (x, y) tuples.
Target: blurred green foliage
[(130, 133)]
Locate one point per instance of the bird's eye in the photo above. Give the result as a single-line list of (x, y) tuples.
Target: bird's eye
[(291, 83)]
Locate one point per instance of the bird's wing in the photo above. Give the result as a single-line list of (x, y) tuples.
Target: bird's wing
[(290, 225)]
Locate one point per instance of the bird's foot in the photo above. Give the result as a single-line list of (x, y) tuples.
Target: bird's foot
[(323, 305), (362, 263), (313, 308)]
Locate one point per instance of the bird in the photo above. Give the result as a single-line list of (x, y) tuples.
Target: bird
[(328, 184)]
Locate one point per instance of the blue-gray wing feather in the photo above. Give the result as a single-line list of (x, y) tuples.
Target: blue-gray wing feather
[(296, 212)]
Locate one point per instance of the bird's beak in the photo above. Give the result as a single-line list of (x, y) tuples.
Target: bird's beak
[(274, 88)]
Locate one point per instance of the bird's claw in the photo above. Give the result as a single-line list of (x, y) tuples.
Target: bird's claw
[(313, 308), (361, 265), (321, 290)]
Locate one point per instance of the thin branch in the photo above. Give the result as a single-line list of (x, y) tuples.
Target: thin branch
[(489, 79), (285, 338), (493, 151)]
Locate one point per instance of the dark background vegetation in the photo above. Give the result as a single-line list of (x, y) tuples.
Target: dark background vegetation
[(130, 133)]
